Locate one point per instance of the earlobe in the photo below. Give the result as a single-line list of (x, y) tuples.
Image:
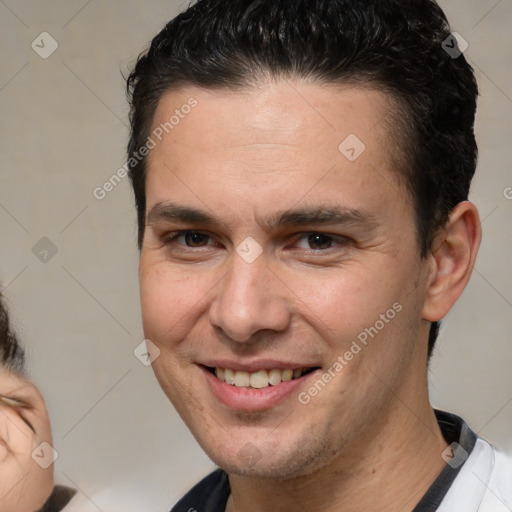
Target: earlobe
[(453, 257)]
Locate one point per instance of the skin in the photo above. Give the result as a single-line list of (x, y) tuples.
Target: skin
[(369, 439), (24, 425)]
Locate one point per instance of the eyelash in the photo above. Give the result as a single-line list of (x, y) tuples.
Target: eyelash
[(340, 240)]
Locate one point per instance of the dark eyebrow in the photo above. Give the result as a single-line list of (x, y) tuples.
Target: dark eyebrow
[(305, 216), (180, 213), (321, 215)]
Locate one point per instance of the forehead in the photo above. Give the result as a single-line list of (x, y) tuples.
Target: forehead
[(281, 136), (282, 112)]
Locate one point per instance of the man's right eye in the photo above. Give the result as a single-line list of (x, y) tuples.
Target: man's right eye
[(188, 238)]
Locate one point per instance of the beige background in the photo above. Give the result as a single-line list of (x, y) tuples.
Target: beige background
[(63, 133)]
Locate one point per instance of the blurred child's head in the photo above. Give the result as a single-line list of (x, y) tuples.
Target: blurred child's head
[(24, 425)]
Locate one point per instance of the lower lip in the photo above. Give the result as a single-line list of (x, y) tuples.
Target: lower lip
[(250, 399)]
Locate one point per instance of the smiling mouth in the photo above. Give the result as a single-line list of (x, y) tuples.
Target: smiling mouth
[(260, 379)]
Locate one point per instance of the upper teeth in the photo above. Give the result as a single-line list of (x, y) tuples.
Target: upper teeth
[(259, 379)]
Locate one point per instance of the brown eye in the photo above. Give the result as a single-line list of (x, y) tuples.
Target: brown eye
[(194, 239), (320, 241), (187, 239)]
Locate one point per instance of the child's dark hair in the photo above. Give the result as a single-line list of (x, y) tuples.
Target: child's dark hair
[(12, 355)]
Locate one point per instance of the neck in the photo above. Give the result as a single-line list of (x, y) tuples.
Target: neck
[(388, 468)]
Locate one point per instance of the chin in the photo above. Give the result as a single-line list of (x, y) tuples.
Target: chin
[(272, 460)]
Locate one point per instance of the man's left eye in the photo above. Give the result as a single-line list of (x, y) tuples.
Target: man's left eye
[(319, 241)]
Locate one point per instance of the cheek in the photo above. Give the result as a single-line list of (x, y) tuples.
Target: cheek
[(342, 301), (361, 312), (170, 301), (17, 443)]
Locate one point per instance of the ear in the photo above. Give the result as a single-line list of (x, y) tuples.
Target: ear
[(452, 259)]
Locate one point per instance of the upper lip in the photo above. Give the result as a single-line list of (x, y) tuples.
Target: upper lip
[(256, 365)]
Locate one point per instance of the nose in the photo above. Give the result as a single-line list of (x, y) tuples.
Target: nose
[(249, 299)]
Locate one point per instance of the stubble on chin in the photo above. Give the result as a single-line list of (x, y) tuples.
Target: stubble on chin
[(270, 459)]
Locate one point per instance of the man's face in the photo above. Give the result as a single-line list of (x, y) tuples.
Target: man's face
[(302, 247)]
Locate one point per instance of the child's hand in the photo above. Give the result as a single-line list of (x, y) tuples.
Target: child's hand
[(24, 425)]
